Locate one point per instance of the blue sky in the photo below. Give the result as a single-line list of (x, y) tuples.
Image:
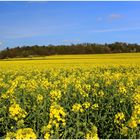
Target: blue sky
[(43, 23)]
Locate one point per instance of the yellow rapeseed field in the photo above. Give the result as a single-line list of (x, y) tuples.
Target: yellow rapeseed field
[(70, 97)]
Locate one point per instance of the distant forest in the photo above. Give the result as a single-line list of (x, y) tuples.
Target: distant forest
[(84, 48)]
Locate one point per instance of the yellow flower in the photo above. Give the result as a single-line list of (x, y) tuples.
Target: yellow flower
[(10, 135), (96, 85), (136, 98), (57, 116), (122, 89), (39, 98), (49, 126), (56, 111), (101, 93), (55, 95), (25, 133), (91, 136), (86, 105), (77, 108), (119, 118), (95, 106), (64, 123), (47, 136), (132, 123), (14, 109), (16, 112), (95, 136)]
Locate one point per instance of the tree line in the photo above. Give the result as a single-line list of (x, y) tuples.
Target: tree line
[(83, 48)]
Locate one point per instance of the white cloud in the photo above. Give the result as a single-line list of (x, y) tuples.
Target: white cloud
[(110, 17), (114, 16), (116, 30), (71, 41)]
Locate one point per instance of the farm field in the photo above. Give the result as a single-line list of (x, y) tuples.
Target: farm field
[(70, 97)]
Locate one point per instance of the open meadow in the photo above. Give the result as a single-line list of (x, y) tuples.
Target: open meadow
[(70, 97)]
